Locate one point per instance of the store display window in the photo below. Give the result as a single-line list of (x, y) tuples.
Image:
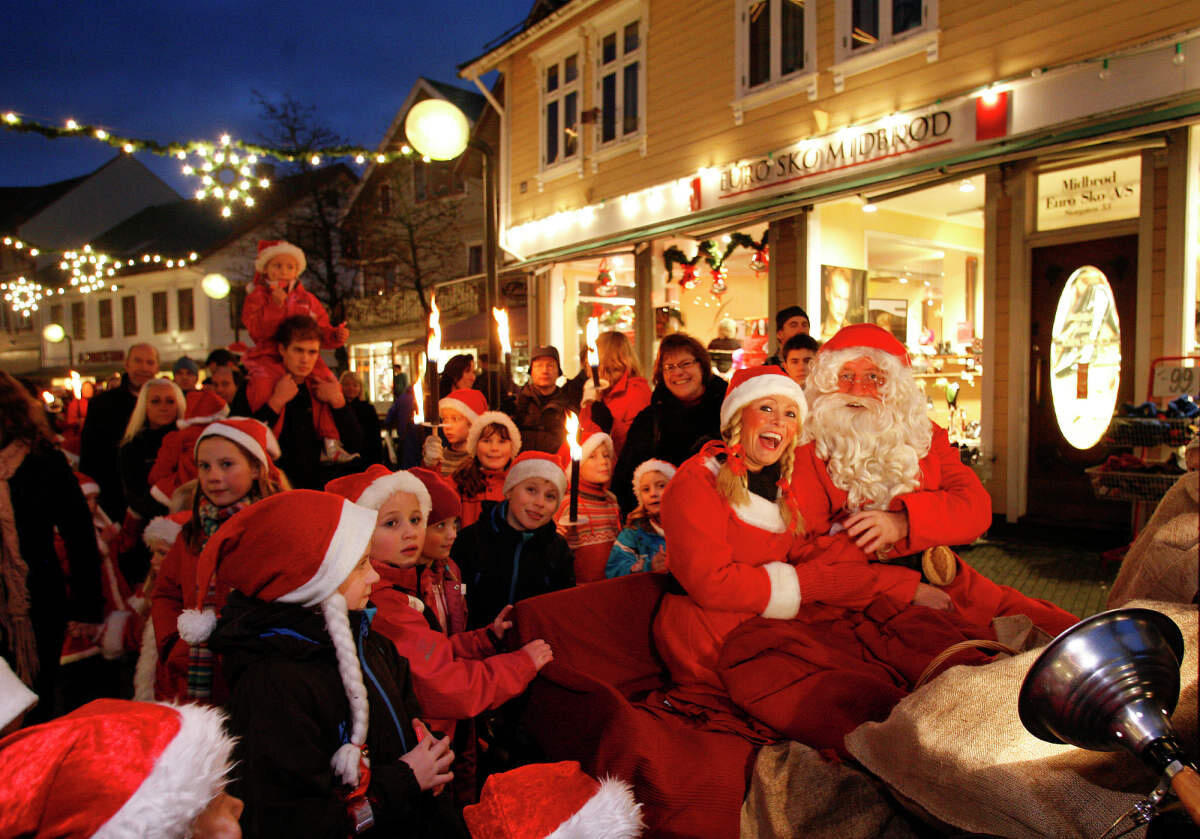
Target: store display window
[(373, 363)]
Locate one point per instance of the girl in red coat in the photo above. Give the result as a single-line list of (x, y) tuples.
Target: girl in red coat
[(493, 442), (234, 462), (624, 391)]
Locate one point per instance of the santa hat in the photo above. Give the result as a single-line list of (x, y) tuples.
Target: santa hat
[(534, 464), (203, 406), (752, 383), (114, 768), (268, 249), (865, 336), (165, 528), (250, 434), (15, 697), (492, 418), (296, 547), (372, 488), (652, 465), (446, 501), (88, 485), (554, 801), (593, 438), (468, 402)]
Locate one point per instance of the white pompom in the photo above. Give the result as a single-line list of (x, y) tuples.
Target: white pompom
[(345, 763), (195, 626), (112, 636)]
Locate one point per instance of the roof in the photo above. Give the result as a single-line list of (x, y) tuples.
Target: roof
[(18, 204), (467, 101), (542, 15), (181, 227)]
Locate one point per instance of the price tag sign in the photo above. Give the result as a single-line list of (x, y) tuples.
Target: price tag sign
[(1173, 380)]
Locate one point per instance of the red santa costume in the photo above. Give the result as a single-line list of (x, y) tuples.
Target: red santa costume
[(176, 462), (841, 663), (493, 479), (160, 535)]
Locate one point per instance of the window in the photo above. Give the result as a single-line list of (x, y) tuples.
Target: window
[(560, 110), (874, 32), (106, 318), (158, 302), (78, 321), (56, 312), (620, 72), (385, 199), (129, 315), (185, 303), (474, 260), (874, 22), (774, 35)]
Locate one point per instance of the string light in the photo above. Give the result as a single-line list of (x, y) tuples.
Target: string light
[(225, 173)]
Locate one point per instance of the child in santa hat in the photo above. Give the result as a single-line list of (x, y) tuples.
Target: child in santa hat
[(324, 706), (234, 459), (160, 536), (455, 677), (641, 546), (492, 442), (456, 413), (175, 464), (277, 295), (116, 768), (592, 534), (514, 551)]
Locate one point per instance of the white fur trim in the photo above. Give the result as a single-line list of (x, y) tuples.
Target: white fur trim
[(90, 488), (760, 387), (784, 603), (416, 603), (112, 636), (189, 773), (612, 813), (267, 254), (147, 664), (652, 465), (162, 529), (460, 406), (539, 468), (161, 497), (219, 415), (498, 418), (761, 513), (381, 489), (246, 441), (347, 546), (593, 442), (195, 626), (15, 697)]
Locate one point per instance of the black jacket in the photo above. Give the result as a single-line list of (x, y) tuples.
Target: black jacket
[(136, 459), (501, 565), (289, 710), (669, 430), (368, 423), (541, 419), (108, 414)]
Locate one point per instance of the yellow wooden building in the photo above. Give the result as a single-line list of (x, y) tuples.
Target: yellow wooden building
[(1010, 186)]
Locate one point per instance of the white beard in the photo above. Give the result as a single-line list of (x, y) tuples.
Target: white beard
[(869, 450)]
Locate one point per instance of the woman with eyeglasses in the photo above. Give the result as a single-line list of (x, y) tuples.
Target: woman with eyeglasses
[(684, 413)]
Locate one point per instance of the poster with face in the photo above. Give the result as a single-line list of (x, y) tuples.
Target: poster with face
[(843, 298)]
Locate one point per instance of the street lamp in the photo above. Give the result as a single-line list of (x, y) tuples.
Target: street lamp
[(440, 131), (55, 334), (215, 286)]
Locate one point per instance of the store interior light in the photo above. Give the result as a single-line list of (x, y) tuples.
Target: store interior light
[(966, 185), (868, 207)]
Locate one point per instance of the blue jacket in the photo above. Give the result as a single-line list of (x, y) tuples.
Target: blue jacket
[(638, 543)]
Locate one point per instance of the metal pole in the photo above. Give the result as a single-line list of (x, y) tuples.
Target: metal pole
[(491, 289)]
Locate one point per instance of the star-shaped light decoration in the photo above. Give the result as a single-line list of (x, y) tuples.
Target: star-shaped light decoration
[(23, 296), (90, 271), (225, 174)]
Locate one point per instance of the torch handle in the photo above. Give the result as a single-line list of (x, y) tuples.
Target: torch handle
[(574, 506), (595, 376), (1186, 785)]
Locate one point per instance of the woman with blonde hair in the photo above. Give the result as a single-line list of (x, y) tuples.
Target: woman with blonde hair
[(367, 416), (624, 392), (160, 404)]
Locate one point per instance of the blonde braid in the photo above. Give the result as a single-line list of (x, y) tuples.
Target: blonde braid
[(733, 488), (792, 518), (345, 759)]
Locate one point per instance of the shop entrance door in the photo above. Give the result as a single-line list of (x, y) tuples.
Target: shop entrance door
[(1059, 492)]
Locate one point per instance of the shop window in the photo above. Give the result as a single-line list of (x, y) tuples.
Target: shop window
[(1085, 357), (620, 81), (560, 104), (129, 324), (373, 364), (78, 321), (106, 317), (776, 49), (158, 305), (875, 32), (186, 306)]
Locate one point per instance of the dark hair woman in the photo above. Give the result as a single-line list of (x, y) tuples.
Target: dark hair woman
[(38, 495), (684, 412), (458, 374)]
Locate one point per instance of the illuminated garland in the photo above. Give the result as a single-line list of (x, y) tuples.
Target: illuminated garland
[(24, 295)]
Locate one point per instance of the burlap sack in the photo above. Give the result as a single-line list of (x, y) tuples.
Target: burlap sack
[(1163, 563), (957, 750)]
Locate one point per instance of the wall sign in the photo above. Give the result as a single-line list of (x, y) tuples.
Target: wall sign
[(1098, 192)]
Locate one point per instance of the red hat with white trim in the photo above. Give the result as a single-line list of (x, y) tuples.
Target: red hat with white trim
[(593, 438), (534, 464), (446, 502), (652, 465), (554, 801), (165, 528), (374, 486), (250, 434), (493, 418), (867, 335), (268, 249), (752, 383), (88, 485), (15, 696), (467, 401), (203, 406), (114, 768)]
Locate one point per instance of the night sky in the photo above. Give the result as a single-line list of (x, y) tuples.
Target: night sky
[(166, 70)]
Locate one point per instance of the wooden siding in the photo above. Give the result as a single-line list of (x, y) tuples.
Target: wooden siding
[(1158, 271)]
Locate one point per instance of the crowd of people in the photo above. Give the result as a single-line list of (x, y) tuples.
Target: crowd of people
[(331, 634)]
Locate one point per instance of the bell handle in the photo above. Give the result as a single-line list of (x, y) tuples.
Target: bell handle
[(1186, 785)]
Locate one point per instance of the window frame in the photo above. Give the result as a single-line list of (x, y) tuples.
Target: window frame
[(850, 62), (129, 325), (615, 22), (104, 316), (79, 319), (778, 86), (556, 54), (157, 326), (187, 295)]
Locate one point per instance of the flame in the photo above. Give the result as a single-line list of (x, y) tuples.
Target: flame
[(419, 392), (47, 397), (433, 345), (76, 384), (592, 333), (572, 426), (501, 316)]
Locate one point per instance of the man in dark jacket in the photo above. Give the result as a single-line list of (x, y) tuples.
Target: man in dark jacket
[(789, 321), (108, 414), (540, 411)]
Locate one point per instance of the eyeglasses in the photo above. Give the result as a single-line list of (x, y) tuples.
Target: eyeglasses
[(682, 366), (869, 378)]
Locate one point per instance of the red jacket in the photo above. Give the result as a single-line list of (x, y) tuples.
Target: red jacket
[(625, 398), (472, 505), (454, 678), (175, 464), (261, 315)]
